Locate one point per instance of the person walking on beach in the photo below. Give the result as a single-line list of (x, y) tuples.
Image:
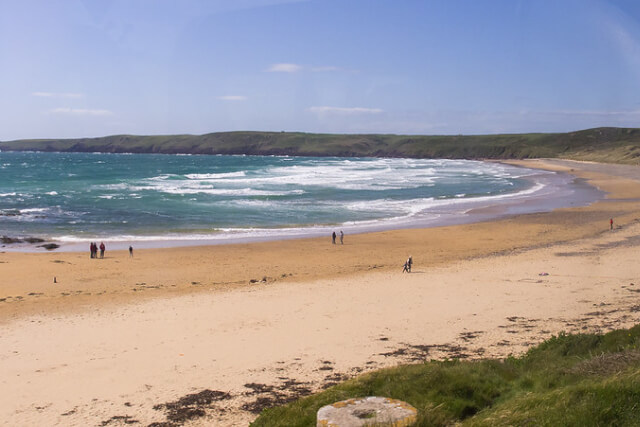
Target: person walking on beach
[(130, 251), (611, 224), (102, 248), (341, 237), (333, 238), (410, 263), (406, 267)]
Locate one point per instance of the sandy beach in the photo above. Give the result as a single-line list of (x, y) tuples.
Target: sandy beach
[(213, 334)]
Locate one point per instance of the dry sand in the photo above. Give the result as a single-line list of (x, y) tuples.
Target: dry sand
[(115, 339)]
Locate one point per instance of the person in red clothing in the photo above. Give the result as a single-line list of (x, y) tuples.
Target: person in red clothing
[(611, 223), (102, 248)]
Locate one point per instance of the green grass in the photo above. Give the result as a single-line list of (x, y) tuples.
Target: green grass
[(613, 145), (575, 380)]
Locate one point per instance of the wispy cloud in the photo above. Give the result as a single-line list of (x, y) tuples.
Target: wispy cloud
[(81, 111), (345, 110), (57, 94), (623, 40), (284, 68), (325, 68), (596, 113), (294, 68), (232, 98)]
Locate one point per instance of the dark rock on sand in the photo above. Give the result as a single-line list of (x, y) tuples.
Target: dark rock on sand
[(49, 246)]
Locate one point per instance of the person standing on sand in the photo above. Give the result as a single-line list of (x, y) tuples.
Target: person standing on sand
[(91, 249), (333, 238), (341, 237), (611, 224), (102, 248), (410, 262), (130, 251)]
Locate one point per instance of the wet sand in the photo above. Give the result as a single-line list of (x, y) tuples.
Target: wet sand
[(241, 327)]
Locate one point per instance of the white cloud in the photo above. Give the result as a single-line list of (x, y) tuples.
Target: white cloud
[(81, 111), (232, 98), (326, 68), (284, 68), (596, 114), (623, 40), (345, 110), (58, 94)]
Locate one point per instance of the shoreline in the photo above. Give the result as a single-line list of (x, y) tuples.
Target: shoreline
[(117, 337), (165, 272), (547, 193)]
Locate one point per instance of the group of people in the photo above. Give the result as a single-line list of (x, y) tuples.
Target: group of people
[(407, 265), (334, 235), (93, 247)]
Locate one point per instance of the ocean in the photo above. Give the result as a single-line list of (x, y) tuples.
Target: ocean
[(73, 198)]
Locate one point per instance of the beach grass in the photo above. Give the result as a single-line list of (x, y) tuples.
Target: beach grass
[(582, 379)]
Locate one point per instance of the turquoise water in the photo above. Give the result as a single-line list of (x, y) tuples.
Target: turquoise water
[(83, 196)]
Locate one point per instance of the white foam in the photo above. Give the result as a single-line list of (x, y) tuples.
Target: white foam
[(215, 176), (33, 210)]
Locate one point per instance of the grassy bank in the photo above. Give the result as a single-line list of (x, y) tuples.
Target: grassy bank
[(568, 380), (612, 145)]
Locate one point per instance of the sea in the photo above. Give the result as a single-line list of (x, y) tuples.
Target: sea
[(157, 200)]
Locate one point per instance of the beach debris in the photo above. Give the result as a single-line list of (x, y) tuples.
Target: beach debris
[(543, 274), (468, 336), (71, 412), (273, 395), (191, 406), (372, 410), (333, 379), (258, 388), (416, 352), (126, 419)]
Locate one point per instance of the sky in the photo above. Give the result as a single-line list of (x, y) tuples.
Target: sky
[(86, 68)]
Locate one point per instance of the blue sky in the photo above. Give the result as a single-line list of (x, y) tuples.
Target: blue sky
[(75, 68)]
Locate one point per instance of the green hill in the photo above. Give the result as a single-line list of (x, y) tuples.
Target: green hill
[(569, 380), (613, 145)]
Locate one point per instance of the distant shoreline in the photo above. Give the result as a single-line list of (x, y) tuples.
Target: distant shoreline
[(550, 192), (609, 145)]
